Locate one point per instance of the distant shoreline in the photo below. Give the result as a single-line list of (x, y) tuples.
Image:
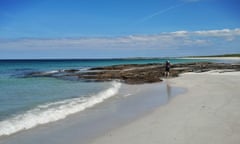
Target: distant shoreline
[(217, 57), (134, 73), (213, 58)]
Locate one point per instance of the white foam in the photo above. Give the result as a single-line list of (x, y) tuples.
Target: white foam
[(51, 72), (127, 95), (54, 111)]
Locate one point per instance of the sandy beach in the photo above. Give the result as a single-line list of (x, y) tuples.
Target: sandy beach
[(207, 113), (214, 58), (119, 72), (232, 60), (192, 108)]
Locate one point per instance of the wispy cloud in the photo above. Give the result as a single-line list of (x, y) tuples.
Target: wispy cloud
[(219, 33), (160, 12), (166, 39), (179, 41)]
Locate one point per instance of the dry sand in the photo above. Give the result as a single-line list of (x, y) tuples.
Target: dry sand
[(209, 113), (214, 58)]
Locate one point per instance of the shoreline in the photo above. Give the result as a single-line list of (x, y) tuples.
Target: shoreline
[(212, 58), (206, 113), (133, 73), (131, 103)]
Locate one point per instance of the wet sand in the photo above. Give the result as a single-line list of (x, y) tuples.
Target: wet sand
[(131, 103), (208, 113)]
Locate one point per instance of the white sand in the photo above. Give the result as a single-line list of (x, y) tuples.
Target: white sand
[(214, 58), (209, 113)]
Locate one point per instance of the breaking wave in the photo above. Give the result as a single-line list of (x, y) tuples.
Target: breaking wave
[(51, 112)]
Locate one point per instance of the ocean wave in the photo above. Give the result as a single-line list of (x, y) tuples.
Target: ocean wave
[(51, 112), (51, 72)]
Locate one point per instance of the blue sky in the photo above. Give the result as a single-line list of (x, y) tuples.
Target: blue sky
[(126, 28)]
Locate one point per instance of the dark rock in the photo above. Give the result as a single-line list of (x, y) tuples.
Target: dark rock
[(136, 73), (71, 70)]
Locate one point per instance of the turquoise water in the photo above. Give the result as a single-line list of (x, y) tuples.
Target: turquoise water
[(28, 102), (18, 65)]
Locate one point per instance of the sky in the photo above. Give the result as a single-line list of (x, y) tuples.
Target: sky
[(33, 29)]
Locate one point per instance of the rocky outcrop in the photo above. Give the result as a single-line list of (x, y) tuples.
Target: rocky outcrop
[(134, 73)]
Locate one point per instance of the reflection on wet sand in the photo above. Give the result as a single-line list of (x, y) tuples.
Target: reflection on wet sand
[(169, 92)]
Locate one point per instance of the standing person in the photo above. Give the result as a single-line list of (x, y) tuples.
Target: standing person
[(167, 68)]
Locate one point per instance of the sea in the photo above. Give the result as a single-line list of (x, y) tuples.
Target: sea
[(28, 102)]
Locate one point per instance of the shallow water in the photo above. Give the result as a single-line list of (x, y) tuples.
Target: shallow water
[(132, 102)]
